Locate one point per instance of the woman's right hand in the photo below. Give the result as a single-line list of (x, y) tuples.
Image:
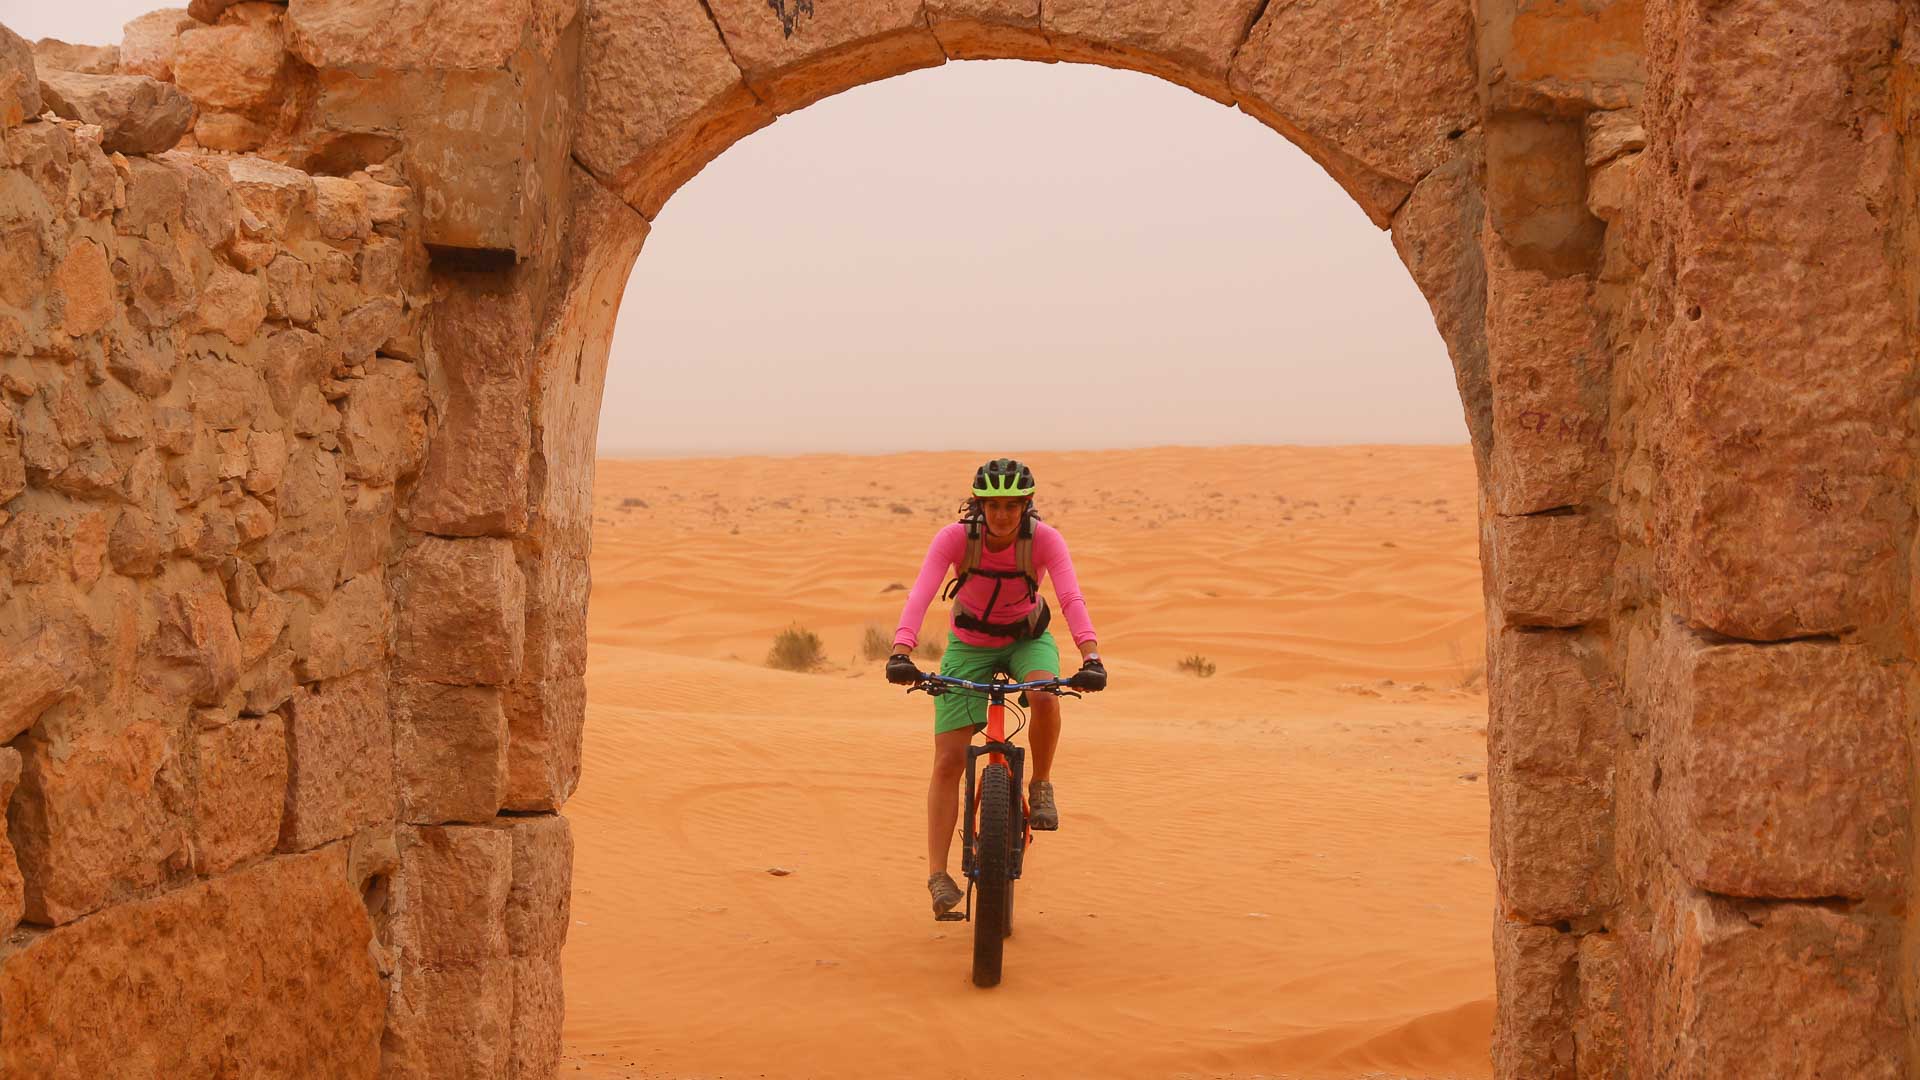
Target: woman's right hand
[(901, 670)]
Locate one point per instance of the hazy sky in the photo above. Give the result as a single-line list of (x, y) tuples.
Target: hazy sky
[(1002, 255)]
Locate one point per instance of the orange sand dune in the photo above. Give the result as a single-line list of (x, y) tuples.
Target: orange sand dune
[(1277, 871)]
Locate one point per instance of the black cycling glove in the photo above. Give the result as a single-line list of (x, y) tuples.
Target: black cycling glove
[(900, 670), (1092, 676)]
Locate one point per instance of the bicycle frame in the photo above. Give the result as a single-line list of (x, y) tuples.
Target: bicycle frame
[(998, 749)]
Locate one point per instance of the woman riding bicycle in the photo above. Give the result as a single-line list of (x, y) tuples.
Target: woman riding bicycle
[(1000, 549)]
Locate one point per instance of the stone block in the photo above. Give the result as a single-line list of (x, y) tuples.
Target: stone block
[(37, 673), (545, 721), (539, 1010), (189, 650), (85, 286), (1553, 57), (53, 56), (1549, 382), (100, 814), (424, 34), (1537, 980), (13, 895), (794, 54), (238, 67), (1598, 1033), (340, 761), (1192, 44), (136, 114), (462, 612), (240, 791), (19, 80), (1785, 770), (474, 480), (149, 42), (450, 1023), (450, 751), (1551, 732), (540, 897), (1378, 95), (383, 422), (1777, 413), (1551, 569), (348, 634), (450, 896), (262, 972), (990, 30)]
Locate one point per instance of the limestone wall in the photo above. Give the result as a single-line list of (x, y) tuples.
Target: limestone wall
[(304, 314)]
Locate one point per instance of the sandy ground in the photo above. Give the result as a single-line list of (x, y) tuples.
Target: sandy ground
[(1276, 871)]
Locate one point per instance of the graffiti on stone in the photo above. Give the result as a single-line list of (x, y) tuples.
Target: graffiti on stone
[(790, 12)]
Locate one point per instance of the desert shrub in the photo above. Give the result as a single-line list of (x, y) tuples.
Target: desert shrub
[(632, 502), (929, 650), (875, 644), (797, 649), (1197, 664)]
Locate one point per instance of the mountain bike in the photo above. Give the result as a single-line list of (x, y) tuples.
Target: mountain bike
[(995, 835)]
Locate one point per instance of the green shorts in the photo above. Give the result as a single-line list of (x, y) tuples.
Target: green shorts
[(977, 664)]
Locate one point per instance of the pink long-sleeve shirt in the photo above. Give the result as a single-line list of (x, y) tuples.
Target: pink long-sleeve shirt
[(949, 547)]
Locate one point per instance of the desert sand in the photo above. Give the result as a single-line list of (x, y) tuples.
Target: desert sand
[(1279, 870)]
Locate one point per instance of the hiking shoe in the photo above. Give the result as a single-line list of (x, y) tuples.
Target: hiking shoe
[(1042, 815), (945, 893)]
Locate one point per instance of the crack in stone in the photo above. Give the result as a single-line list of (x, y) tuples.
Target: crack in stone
[(725, 44)]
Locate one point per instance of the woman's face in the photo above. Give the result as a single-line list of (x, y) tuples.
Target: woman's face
[(1003, 513)]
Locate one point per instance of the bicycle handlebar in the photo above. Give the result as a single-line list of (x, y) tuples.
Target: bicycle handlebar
[(930, 679)]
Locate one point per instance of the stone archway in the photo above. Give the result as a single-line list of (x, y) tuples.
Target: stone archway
[(297, 521)]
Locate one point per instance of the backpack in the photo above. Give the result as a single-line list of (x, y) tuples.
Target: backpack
[(1020, 629)]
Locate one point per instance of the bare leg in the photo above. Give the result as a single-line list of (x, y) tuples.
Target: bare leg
[(1043, 732), (943, 794)]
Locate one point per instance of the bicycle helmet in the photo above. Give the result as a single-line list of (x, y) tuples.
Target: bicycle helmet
[(1003, 477)]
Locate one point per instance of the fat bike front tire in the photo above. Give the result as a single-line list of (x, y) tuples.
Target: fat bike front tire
[(993, 883)]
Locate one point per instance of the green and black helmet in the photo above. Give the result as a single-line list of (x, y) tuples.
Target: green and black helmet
[(1002, 477)]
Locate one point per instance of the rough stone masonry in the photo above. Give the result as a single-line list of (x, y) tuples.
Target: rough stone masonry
[(304, 310)]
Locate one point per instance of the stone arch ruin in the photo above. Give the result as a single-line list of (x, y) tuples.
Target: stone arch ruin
[(304, 309)]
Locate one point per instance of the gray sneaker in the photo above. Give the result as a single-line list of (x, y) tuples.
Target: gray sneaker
[(945, 893), (1042, 815)]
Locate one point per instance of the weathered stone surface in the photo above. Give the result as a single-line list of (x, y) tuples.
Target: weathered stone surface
[(1190, 43), (538, 901), (1550, 732), (137, 114), (1536, 194), (450, 1023), (148, 43), (545, 721), (347, 634), (304, 553), (539, 1008), (474, 481), (85, 283), (191, 651), (462, 612), (422, 33), (662, 97), (1613, 133), (1538, 995), (1805, 537), (1794, 989), (794, 55), (450, 895), (240, 789), (19, 80), (450, 751), (263, 972), (340, 761), (238, 66), (1549, 384), (383, 422), (36, 673), (13, 901), (1598, 1036), (53, 55), (1378, 95), (1551, 569), (1785, 770), (1547, 56), (991, 29), (100, 815)]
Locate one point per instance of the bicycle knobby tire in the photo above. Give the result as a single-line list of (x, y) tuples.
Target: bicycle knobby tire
[(993, 885)]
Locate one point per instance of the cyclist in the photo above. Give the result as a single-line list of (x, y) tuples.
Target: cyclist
[(999, 549)]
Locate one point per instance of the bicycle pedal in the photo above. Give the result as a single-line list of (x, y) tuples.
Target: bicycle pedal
[(1045, 828), (951, 916)]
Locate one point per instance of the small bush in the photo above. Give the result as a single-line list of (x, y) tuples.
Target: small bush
[(901, 508), (633, 502), (1197, 664), (929, 650), (875, 644), (797, 649)]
